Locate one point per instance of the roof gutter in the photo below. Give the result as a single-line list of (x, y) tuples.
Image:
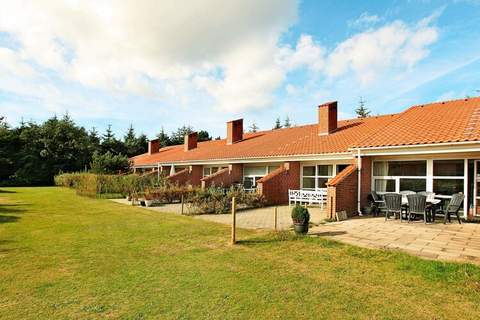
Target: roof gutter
[(415, 145)]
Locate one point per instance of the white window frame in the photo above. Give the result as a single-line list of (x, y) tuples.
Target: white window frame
[(268, 169), (317, 176), (430, 177), (397, 178), (210, 169)]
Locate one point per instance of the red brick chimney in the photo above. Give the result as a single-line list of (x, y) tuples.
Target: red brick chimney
[(327, 118), (153, 146), (234, 131), (190, 141)]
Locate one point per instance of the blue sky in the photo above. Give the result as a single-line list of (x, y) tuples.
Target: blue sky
[(202, 63)]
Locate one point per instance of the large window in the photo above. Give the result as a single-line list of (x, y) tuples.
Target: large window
[(448, 177), (396, 176), (252, 174), (316, 177), (445, 177)]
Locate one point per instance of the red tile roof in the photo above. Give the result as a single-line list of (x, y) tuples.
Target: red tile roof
[(451, 121), (439, 122), (301, 140)]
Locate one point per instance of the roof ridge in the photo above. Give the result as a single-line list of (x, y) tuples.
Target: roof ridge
[(443, 102)]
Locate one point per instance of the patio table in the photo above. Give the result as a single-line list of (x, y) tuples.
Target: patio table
[(432, 202)]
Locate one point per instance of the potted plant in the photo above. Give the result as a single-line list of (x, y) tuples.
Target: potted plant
[(301, 218)]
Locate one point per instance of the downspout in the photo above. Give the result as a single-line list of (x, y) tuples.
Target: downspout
[(158, 171), (359, 183)]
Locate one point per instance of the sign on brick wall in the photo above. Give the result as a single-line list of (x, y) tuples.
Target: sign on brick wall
[(341, 216)]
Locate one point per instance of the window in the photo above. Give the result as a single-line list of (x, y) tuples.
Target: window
[(384, 185), (396, 176), (415, 185), (400, 168), (448, 168), (207, 171), (251, 175), (341, 167), (447, 187), (316, 177)]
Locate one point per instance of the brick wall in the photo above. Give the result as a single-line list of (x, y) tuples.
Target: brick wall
[(225, 177), (274, 187), (366, 180), (188, 176), (342, 190)]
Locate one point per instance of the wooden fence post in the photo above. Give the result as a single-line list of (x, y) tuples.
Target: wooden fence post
[(275, 218), (182, 204), (234, 221)]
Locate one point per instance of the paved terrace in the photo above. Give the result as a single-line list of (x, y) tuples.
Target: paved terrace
[(433, 241), (261, 218)]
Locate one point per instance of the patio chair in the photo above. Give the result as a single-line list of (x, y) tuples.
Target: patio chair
[(407, 192), (430, 206), (393, 202), (378, 202), (453, 207), (417, 204)]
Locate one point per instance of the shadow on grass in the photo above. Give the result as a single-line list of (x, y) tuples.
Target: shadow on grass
[(7, 191), (7, 219), (5, 243), (12, 208), (327, 233)]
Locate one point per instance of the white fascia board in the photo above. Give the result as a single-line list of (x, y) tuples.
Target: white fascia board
[(421, 149), (443, 144), (311, 157)]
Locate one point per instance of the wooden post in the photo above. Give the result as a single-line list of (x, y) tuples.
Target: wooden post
[(234, 221), (275, 218), (182, 204)]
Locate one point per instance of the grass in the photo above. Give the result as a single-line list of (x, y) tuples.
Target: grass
[(64, 256)]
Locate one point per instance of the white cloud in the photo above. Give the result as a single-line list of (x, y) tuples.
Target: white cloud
[(306, 53), (369, 53), (11, 63), (124, 46)]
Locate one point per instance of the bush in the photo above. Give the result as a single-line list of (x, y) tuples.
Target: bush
[(300, 215), (109, 163), (218, 200), (94, 185)]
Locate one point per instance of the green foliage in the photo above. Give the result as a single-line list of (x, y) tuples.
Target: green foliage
[(218, 200), (254, 127), (362, 111), (278, 124), (32, 154), (300, 215), (287, 123), (109, 163), (95, 185)]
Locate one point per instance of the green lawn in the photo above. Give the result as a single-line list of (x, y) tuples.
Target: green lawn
[(64, 256)]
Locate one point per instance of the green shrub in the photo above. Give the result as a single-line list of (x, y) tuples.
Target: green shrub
[(94, 185), (300, 215), (218, 200)]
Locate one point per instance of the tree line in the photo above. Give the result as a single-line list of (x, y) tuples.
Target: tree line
[(32, 153)]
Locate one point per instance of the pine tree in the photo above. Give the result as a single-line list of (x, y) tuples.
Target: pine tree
[(163, 138), (253, 127), (362, 111), (287, 123), (278, 124)]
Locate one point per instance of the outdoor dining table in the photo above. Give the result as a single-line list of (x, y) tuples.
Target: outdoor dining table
[(430, 201)]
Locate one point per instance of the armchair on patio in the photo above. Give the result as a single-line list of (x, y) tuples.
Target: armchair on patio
[(417, 204), (393, 203), (453, 207), (378, 203)]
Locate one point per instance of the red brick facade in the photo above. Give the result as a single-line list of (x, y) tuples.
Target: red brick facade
[(275, 185), (225, 177), (327, 118), (342, 190), (234, 131), (188, 176)]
